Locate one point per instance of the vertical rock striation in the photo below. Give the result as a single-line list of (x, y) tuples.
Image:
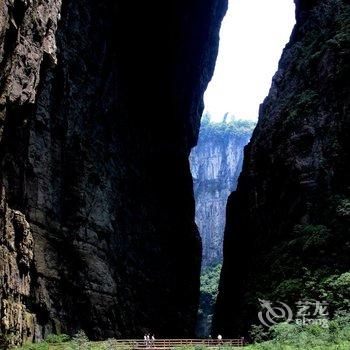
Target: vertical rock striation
[(100, 105), (288, 222), (216, 163)]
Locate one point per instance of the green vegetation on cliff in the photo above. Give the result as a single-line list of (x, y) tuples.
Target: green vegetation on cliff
[(208, 292), (291, 336), (229, 126)]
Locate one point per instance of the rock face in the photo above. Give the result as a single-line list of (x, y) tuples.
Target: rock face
[(16, 253), (216, 163), (288, 222), (100, 105)]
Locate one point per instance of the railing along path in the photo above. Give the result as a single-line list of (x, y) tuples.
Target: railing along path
[(169, 344)]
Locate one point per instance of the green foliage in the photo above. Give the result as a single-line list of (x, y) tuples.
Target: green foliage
[(289, 289), (329, 36), (336, 290), (258, 333), (312, 236), (58, 341), (307, 98), (203, 347), (292, 336), (331, 14), (57, 338), (189, 347), (343, 208), (43, 345), (239, 128), (210, 278), (5, 341), (303, 104), (316, 285), (80, 341)]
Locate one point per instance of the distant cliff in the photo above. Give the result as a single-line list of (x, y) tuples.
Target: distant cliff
[(215, 164)]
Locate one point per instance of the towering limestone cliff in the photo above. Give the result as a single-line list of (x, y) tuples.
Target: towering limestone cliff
[(287, 235), (216, 163), (100, 103)]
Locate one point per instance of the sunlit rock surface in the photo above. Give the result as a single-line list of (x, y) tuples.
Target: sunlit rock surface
[(216, 162)]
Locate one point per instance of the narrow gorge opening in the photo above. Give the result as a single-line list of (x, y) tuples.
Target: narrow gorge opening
[(252, 37)]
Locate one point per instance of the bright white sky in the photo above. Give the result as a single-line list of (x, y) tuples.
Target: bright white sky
[(253, 35)]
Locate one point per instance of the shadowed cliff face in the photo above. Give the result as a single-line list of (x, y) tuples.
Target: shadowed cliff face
[(288, 222), (100, 106)]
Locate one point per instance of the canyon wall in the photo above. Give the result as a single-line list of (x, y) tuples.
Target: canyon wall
[(287, 232), (100, 103), (216, 163)]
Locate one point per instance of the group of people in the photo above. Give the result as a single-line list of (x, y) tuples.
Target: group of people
[(219, 338), (149, 340)]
